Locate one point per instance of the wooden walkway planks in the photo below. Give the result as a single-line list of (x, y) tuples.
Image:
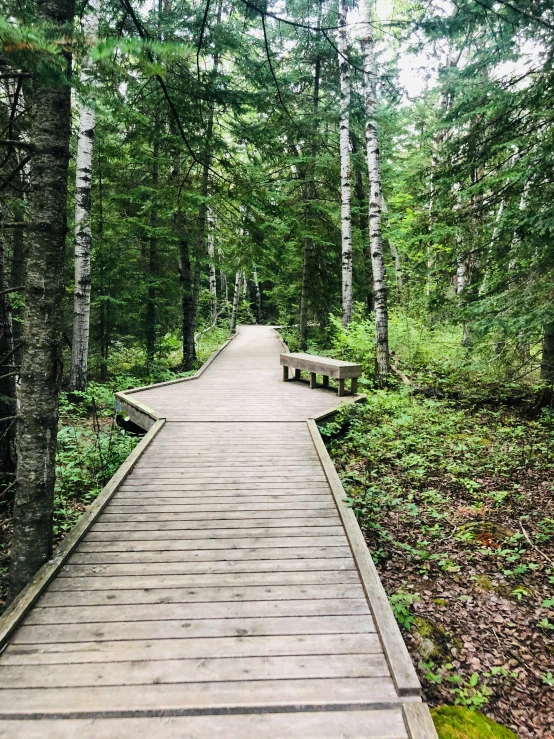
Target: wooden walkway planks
[(217, 588)]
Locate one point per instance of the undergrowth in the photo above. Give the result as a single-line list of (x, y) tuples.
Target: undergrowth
[(456, 503)]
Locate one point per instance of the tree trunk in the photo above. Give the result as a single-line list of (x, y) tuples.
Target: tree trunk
[(546, 396), (303, 327), (201, 247), (187, 299), (311, 195), (7, 377), (461, 273), (375, 199), (152, 255), (41, 369), (83, 232), (105, 289), (213, 276), (397, 267), (258, 295), (363, 225), (233, 326), (344, 134)]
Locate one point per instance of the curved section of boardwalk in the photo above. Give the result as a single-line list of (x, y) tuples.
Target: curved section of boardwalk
[(217, 593)]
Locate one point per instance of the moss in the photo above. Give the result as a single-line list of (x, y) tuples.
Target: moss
[(442, 602), (432, 642), (483, 582), (456, 722)]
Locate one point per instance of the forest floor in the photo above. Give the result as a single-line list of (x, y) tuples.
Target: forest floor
[(456, 503)]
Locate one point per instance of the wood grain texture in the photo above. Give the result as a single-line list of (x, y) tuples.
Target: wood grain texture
[(377, 724), (418, 721), (218, 588)]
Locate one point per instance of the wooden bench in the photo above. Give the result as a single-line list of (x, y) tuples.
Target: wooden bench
[(324, 366)]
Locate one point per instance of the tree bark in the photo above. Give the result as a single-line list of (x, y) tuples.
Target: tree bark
[(41, 356), (201, 247), (187, 299), (375, 198), (83, 231), (546, 395), (303, 327), (311, 196), (234, 312), (153, 253), (344, 138), (7, 376), (213, 276)]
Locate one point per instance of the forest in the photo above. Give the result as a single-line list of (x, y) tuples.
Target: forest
[(375, 179)]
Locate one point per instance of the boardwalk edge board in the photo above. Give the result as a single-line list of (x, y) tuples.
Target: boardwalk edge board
[(401, 665), (418, 721), (19, 608)]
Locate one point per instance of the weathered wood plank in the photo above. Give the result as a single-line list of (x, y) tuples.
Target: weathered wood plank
[(202, 556), (189, 629), (258, 594), (173, 545), (183, 611), (217, 697), (161, 649), (418, 721), (220, 580), (152, 532), (208, 568), (205, 670), (377, 724)]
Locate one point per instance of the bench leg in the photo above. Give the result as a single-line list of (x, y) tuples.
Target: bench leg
[(354, 386), (285, 373), (313, 378), (296, 374), (340, 392), (325, 381)]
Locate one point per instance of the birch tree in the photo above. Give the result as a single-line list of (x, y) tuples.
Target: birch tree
[(344, 139), (236, 296), (41, 368), (83, 232), (211, 265), (375, 194)]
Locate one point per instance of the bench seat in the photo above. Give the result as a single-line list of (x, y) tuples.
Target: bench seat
[(335, 368)]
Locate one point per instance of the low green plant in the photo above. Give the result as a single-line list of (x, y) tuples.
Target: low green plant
[(401, 602)]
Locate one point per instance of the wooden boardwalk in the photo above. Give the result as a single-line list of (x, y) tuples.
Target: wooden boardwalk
[(220, 588)]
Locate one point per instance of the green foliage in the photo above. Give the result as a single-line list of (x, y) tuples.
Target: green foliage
[(400, 603), (86, 459)]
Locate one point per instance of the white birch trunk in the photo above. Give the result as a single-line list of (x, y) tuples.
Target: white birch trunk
[(83, 234), (394, 252), (375, 196), (461, 273), (344, 138), (211, 258), (235, 302)]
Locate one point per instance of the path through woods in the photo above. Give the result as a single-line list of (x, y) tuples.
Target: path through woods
[(223, 591)]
